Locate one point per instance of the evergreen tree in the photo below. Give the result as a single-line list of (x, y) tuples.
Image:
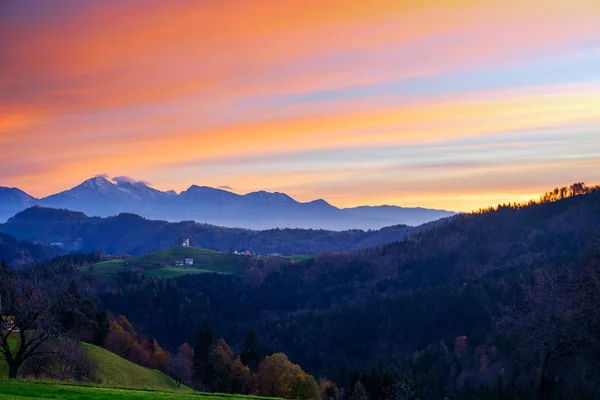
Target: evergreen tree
[(71, 315), (100, 327), (204, 340), (73, 292), (251, 354)]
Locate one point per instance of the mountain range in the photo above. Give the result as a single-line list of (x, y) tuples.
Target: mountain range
[(102, 197)]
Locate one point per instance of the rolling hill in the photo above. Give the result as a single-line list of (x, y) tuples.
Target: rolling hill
[(134, 235), (117, 372)]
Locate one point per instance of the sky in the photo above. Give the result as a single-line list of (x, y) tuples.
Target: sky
[(435, 103)]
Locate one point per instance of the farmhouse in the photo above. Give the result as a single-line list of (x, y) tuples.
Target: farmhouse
[(189, 261)]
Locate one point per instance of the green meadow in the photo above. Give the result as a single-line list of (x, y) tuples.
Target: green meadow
[(161, 264), (29, 390)]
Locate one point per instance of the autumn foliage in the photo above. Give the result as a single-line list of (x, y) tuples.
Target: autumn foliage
[(279, 377), (123, 340)]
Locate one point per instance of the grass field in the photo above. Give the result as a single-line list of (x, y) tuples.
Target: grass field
[(29, 390), (161, 264)]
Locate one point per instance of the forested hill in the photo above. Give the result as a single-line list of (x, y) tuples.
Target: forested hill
[(381, 304), (129, 233), (471, 245), (21, 252)]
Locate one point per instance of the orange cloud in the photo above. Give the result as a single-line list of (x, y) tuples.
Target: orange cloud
[(431, 120)]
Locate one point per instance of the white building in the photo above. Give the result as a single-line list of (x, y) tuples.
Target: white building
[(189, 261), (185, 242)]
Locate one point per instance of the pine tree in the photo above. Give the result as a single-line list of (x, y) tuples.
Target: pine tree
[(251, 354), (204, 340), (100, 327), (71, 316)]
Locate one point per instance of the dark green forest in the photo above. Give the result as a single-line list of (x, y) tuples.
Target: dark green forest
[(428, 308)]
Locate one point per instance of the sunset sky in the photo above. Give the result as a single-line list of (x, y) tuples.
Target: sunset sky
[(445, 104)]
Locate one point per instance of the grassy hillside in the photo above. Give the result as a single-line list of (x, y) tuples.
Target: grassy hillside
[(29, 390), (115, 371), (162, 263), (203, 259)]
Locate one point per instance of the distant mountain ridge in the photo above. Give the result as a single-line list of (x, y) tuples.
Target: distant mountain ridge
[(101, 197)]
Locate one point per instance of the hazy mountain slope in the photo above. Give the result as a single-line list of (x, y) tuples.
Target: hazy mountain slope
[(399, 215), (12, 201), (129, 233)]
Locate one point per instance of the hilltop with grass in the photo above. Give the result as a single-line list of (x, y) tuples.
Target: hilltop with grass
[(165, 263), (115, 371)]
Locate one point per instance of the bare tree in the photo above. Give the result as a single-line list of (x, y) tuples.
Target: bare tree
[(63, 360), (550, 329), (182, 364), (31, 306)]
